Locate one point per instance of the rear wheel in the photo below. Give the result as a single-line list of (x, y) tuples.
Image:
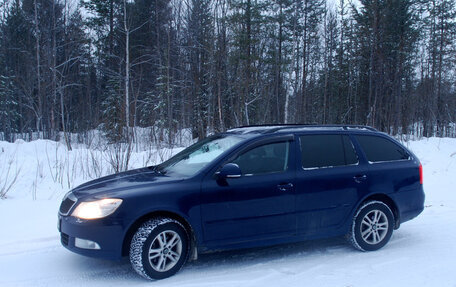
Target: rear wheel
[(159, 248), (372, 226)]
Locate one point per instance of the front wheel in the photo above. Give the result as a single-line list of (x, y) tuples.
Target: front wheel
[(159, 248), (372, 226)]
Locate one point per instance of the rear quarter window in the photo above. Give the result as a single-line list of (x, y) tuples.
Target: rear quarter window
[(379, 149)]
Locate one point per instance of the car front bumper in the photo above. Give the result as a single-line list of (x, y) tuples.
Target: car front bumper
[(108, 235)]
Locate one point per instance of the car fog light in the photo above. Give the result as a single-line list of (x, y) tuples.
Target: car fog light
[(86, 244)]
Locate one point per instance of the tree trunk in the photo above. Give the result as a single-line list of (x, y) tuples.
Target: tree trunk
[(127, 71), (39, 112)]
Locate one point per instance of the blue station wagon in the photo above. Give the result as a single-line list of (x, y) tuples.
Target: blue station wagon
[(248, 187)]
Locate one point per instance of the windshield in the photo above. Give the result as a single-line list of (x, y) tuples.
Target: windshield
[(194, 158)]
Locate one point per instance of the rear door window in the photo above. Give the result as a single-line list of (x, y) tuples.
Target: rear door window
[(379, 149), (319, 151)]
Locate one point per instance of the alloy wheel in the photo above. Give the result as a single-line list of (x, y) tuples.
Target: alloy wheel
[(374, 227), (165, 251)]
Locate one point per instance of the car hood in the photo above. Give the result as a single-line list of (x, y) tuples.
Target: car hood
[(123, 183)]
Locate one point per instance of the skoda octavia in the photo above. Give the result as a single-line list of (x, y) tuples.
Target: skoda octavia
[(248, 187)]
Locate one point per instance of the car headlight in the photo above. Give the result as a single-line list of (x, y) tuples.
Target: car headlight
[(96, 209)]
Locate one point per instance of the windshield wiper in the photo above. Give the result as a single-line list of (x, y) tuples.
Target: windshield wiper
[(156, 169)]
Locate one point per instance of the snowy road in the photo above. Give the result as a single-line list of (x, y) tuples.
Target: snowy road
[(421, 253)]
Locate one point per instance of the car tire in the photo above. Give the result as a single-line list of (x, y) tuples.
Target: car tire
[(159, 248), (372, 226)]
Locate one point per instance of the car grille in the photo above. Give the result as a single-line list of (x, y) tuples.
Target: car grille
[(64, 238), (66, 205)]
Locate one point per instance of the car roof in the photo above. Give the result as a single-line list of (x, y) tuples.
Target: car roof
[(291, 128)]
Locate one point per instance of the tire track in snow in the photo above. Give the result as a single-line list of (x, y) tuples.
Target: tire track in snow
[(37, 245)]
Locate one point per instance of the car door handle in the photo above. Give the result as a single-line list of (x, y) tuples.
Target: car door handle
[(285, 186), (360, 178)]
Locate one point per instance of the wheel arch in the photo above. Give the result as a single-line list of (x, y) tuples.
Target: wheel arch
[(388, 201), (162, 213)]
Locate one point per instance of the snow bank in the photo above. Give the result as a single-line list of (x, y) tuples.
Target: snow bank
[(45, 169), (438, 157)]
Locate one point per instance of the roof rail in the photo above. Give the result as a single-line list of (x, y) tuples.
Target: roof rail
[(283, 126)]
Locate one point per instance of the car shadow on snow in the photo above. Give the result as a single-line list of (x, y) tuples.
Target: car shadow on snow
[(216, 264), (93, 270), (245, 258)]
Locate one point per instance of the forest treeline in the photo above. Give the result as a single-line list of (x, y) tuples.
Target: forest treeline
[(209, 65)]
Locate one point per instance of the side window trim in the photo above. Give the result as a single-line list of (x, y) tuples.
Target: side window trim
[(354, 151), (396, 160), (256, 143), (287, 152)]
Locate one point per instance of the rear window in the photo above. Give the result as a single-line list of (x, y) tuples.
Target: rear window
[(326, 151), (378, 149)]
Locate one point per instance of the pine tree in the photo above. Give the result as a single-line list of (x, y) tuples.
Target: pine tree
[(311, 16), (387, 36), (436, 85), (8, 109), (113, 120), (249, 69), (200, 39)]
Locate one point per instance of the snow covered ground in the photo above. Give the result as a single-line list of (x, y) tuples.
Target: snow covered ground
[(421, 253)]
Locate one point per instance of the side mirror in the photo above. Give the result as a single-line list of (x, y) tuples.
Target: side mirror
[(229, 170)]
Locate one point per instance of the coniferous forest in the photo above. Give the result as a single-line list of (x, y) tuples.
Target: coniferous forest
[(208, 65)]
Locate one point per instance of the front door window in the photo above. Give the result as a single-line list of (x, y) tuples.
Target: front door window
[(268, 158)]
